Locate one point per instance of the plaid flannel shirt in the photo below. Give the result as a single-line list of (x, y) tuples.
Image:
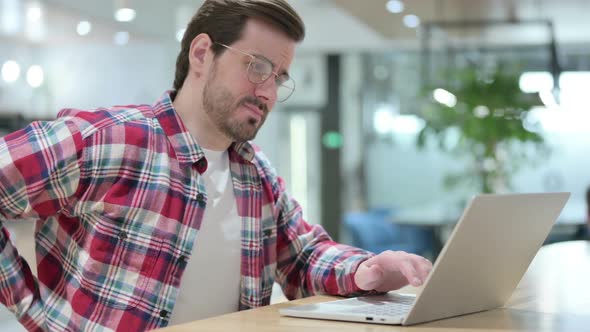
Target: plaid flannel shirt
[(118, 202)]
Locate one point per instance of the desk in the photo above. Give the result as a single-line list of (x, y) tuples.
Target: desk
[(554, 295)]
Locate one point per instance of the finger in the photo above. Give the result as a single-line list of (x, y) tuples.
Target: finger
[(409, 271), (423, 266)]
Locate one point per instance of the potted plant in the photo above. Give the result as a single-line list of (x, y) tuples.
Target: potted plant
[(486, 112)]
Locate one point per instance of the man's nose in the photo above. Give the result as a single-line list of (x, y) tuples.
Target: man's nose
[(267, 90)]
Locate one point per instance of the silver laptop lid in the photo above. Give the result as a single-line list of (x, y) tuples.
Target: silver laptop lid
[(487, 254)]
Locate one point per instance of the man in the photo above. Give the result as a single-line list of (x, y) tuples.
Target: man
[(156, 215)]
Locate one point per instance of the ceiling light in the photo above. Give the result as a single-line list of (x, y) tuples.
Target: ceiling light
[(10, 71), (125, 15), (411, 21), (394, 6), (121, 38), (35, 76), (83, 28), (35, 26)]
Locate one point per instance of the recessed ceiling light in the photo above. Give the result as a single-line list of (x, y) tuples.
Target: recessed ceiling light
[(10, 71), (83, 28), (125, 15), (35, 76), (35, 27), (411, 21), (395, 6)]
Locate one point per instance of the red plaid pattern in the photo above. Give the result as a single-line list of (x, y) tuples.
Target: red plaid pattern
[(118, 201)]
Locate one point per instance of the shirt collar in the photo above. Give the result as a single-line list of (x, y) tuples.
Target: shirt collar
[(188, 151)]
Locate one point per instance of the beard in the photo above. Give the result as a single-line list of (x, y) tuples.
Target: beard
[(221, 107)]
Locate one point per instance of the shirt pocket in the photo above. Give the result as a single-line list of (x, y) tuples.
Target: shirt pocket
[(119, 261)]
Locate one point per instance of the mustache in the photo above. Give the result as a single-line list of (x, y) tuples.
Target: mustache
[(256, 102)]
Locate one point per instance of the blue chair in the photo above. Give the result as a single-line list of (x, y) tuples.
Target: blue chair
[(374, 231)]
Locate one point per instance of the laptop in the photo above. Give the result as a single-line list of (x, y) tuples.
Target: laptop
[(481, 264)]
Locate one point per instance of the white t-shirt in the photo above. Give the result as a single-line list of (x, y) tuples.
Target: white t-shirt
[(210, 285)]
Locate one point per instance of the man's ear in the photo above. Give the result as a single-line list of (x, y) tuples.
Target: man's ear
[(199, 54)]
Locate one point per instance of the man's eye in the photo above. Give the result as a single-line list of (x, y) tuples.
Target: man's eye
[(282, 79), (260, 67)]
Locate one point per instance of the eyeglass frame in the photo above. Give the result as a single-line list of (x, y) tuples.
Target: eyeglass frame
[(272, 73)]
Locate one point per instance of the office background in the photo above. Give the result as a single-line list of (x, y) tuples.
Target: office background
[(346, 140)]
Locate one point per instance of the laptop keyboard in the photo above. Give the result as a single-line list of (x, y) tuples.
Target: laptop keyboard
[(400, 307)]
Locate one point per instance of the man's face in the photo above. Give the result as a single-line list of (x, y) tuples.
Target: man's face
[(235, 105)]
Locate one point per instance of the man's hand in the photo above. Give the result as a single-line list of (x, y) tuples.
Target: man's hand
[(392, 270)]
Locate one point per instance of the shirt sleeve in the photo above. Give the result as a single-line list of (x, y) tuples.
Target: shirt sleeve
[(19, 289), (39, 169), (39, 172), (308, 261)]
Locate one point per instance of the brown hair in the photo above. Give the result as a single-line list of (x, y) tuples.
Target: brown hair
[(224, 20)]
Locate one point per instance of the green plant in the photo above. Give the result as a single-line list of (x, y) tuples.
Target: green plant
[(488, 123)]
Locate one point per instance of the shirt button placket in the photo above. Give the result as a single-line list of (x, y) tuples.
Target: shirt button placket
[(181, 259), (201, 165)]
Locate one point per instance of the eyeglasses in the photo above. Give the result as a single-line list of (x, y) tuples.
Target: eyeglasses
[(261, 69)]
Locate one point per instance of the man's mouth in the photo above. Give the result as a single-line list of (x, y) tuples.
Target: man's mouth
[(254, 110)]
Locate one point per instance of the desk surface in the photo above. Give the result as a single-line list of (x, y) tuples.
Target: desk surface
[(554, 295)]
